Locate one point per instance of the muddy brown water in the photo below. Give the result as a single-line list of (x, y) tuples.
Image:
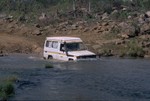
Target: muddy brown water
[(103, 79)]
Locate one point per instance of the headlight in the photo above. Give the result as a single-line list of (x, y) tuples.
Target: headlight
[(79, 57)]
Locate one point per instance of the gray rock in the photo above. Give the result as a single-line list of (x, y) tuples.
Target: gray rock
[(96, 47), (37, 25), (37, 32), (104, 16), (141, 20), (148, 13), (114, 12), (129, 30), (145, 28), (74, 27), (124, 36)]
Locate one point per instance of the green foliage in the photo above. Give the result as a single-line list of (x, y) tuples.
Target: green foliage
[(129, 49), (134, 50), (96, 5), (120, 15), (6, 90), (6, 87), (142, 4), (113, 33), (115, 30), (55, 9), (49, 66), (107, 52), (38, 6)]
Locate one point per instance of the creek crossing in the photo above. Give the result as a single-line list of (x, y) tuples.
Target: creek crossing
[(105, 79)]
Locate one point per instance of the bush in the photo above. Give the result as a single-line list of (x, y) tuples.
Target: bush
[(107, 52), (6, 90), (49, 66), (6, 87), (120, 15), (134, 50)]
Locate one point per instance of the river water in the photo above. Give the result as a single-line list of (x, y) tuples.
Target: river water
[(106, 79)]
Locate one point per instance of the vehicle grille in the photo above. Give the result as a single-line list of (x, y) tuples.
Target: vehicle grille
[(86, 57)]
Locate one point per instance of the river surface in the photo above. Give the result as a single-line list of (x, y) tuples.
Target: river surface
[(106, 79)]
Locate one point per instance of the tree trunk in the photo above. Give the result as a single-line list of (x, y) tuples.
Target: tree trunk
[(74, 5), (89, 6)]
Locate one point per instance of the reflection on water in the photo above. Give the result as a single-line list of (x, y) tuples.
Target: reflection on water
[(104, 79)]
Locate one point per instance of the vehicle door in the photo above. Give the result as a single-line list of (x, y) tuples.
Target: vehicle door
[(62, 52)]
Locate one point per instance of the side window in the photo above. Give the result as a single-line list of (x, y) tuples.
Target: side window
[(55, 44), (49, 44)]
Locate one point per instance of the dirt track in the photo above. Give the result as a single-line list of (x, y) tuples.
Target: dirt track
[(17, 44)]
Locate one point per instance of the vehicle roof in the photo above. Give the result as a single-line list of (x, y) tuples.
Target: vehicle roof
[(64, 38)]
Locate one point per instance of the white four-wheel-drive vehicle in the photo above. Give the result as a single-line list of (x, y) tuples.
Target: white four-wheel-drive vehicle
[(66, 48)]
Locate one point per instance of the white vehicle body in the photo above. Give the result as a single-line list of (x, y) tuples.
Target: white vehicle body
[(66, 48)]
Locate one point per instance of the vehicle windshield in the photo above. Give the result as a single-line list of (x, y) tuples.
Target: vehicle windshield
[(75, 46)]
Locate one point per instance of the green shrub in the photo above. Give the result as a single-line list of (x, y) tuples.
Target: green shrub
[(49, 66), (6, 90), (107, 52), (7, 87), (134, 50), (120, 15)]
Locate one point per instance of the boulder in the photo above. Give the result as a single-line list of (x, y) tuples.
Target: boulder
[(123, 24), (148, 13), (74, 27), (94, 28), (124, 9), (129, 17), (119, 42), (37, 25), (80, 27), (9, 19), (95, 47), (105, 23), (22, 18), (145, 28), (147, 20), (144, 44), (114, 12), (64, 23), (124, 36), (104, 16), (37, 32), (86, 30), (129, 30), (141, 20)]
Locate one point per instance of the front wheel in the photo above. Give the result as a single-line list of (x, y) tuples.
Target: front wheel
[(44, 58), (50, 57)]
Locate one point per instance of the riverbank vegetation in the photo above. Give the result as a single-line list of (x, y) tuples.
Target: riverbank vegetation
[(47, 66), (7, 87)]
